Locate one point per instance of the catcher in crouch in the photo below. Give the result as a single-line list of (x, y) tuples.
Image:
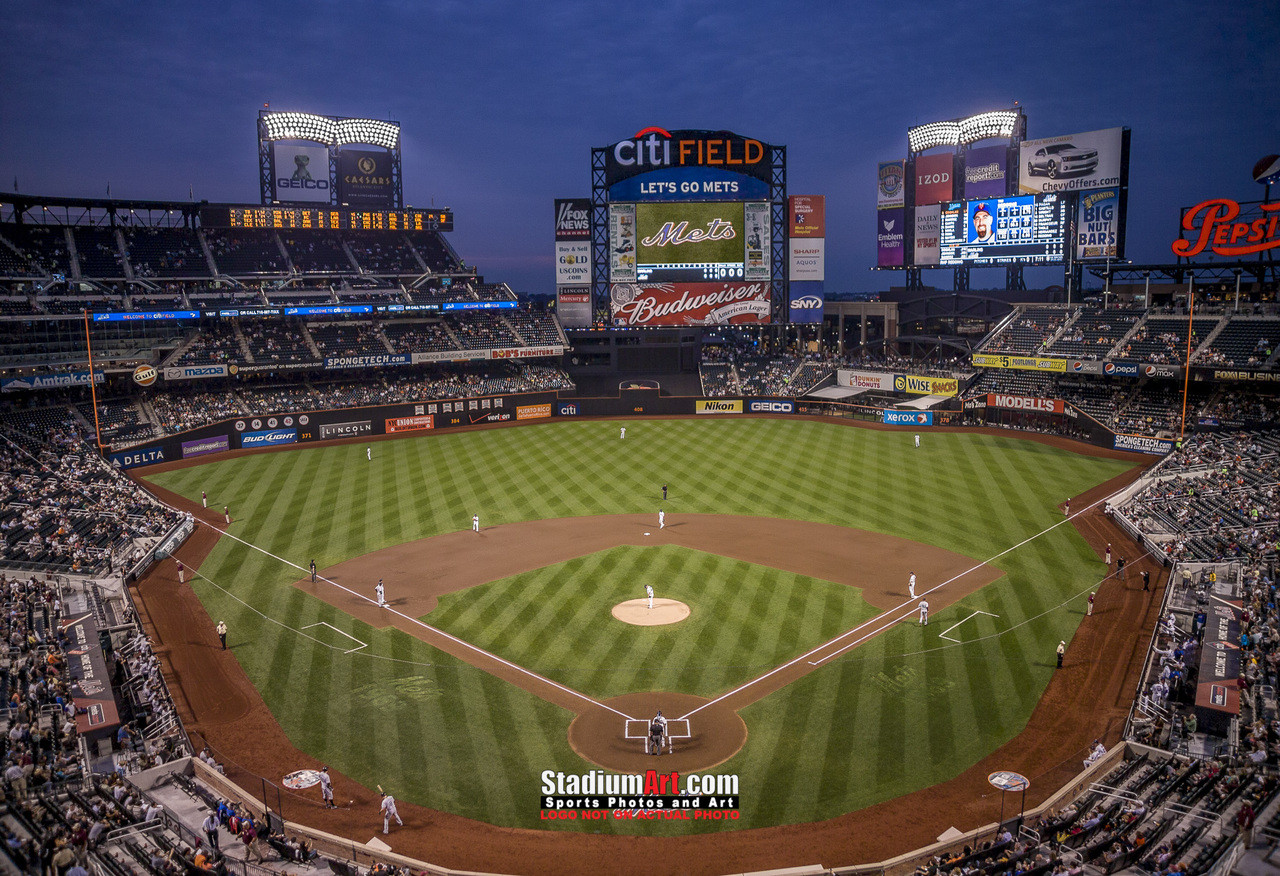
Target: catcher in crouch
[(657, 733)]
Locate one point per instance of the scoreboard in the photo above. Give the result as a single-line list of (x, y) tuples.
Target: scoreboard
[(1022, 229), (338, 218)]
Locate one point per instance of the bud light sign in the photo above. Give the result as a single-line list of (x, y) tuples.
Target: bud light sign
[(268, 438), (908, 418)]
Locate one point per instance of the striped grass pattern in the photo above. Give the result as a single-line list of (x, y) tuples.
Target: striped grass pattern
[(903, 711)]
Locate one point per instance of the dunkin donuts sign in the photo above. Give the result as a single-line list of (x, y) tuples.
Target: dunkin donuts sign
[(690, 303)]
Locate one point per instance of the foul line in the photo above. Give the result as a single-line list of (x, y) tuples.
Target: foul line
[(341, 633), (943, 634), (425, 626), (908, 605)]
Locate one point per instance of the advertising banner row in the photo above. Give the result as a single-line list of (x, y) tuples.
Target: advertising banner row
[(341, 363), (909, 383), (1103, 367), (635, 304)]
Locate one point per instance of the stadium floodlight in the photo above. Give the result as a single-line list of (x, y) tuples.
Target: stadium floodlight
[(1001, 123), (373, 131), (933, 134), (298, 126)]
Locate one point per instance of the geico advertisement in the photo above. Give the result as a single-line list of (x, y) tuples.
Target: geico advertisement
[(926, 385), (718, 406), (770, 406)]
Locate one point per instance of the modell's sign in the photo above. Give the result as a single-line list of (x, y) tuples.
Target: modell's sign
[(1217, 224), (1024, 403), (690, 303)]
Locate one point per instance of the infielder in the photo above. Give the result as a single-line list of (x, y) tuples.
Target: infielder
[(648, 591), (326, 788), (226, 513), (1092, 594), (911, 585), (475, 522), (662, 519), (389, 812), (313, 571), (924, 612), (382, 601), (623, 433), (204, 498)]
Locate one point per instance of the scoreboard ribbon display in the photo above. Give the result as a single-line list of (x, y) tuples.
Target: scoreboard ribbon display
[(339, 218)]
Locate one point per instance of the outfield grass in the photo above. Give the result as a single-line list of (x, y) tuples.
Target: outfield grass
[(903, 711)]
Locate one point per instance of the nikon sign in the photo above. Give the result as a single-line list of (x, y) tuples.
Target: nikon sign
[(718, 406)]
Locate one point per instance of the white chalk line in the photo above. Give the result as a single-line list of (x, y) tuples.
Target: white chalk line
[(341, 633), (943, 634), (416, 622), (884, 621)]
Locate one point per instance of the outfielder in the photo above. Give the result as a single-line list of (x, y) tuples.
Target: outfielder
[(648, 591), (924, 612), (368, 453), (204, 498), (382, 601), (389, 812), (662, 519), (623, 433), (181, 573), (475, 522), (917, 441), (326, 788), (911, 586)]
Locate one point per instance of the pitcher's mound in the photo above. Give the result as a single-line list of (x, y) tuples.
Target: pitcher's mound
[(638, 612)]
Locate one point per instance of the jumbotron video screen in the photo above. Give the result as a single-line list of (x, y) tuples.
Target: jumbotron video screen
[(689, 241)]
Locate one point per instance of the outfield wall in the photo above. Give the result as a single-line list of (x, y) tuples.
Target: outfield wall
[(278, 429)]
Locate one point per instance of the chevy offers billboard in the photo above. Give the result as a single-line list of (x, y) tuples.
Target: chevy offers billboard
[(1090, 160)]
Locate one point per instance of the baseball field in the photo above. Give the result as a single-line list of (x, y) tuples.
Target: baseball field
[(781, 536)]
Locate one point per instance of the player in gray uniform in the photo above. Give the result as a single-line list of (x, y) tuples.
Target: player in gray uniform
[(389, 812), (326, 788), (382, 596), (648, 591), (924, 612), (911, 585)]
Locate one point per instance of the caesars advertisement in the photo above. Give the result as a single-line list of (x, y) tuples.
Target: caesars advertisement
[(1091, 160), (689, 303), (364, 179), (300, 173)]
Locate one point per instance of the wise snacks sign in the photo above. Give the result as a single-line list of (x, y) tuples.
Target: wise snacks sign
[(1220, 226)]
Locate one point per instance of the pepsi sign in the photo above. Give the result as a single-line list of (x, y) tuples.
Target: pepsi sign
[(1120, 369)]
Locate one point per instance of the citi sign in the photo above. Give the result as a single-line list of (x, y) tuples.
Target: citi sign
[(656, 147)]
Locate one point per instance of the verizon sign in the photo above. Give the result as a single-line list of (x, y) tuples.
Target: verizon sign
[(1024, 403), (690, 303)]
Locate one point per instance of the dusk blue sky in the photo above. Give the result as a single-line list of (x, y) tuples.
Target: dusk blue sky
[(501, 102)]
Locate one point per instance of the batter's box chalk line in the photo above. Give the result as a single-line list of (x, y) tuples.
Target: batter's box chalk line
[(341, 633), (943, 634)]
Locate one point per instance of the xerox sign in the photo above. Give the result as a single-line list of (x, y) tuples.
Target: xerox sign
[(908, 418)]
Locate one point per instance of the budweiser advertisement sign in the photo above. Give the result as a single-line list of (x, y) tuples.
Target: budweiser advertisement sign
[(1219, 226), (690, 303)]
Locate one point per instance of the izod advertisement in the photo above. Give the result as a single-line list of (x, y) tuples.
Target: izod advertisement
[(934, 179)]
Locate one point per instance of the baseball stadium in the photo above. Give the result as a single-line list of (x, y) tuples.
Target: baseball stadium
[(325, 550)]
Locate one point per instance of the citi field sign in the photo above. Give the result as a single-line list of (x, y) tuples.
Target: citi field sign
[(1216, 225), (654, 148)]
